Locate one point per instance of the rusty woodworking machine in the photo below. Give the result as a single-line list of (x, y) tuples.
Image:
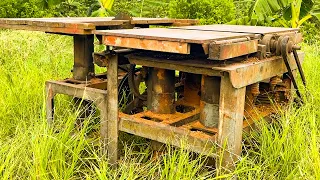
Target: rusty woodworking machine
[(200, 84), (204, 84)]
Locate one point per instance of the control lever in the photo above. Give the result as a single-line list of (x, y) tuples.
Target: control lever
[(287, 47)]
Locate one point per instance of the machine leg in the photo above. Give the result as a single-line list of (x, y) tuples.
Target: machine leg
[(109, 122), (83, 67), (83, 61), (231, 111), (49, 104)]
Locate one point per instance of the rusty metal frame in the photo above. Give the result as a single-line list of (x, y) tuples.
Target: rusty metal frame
[(242, 73), (106, 101), (223, 141), (110, 124)]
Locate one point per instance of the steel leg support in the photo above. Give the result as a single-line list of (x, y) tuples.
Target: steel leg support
[(110, 129), (83, 60), (231, 111), (50, 104)]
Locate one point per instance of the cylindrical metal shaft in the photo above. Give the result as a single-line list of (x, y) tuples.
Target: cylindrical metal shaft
[(162, 91), (209, 103)]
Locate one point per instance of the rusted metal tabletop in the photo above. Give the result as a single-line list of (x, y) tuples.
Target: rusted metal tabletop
[(240, 29), (219, 41), (174, 35), (168, 40), (83, 25)]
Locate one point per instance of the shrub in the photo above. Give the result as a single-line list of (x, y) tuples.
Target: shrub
[(69, 9), (208, 11), (311, 31), (143, 8), (20, 8)]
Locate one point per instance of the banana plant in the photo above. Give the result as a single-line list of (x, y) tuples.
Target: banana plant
[(296, 12), (104, 8)]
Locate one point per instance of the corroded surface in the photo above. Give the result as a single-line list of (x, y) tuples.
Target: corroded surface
[(240, 29), (83, 25), (176, 35)]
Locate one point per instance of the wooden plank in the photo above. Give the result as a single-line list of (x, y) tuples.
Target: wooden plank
[(239, 29), (176, 35), (154, 45)]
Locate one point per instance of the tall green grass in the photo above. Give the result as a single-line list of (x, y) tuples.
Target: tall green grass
[(286, 149)]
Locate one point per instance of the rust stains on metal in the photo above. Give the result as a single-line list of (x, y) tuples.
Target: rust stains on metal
[(228, 50), (162, 89), (196, 141), (255, 89), (82, 25), (83, 60), (244, 74), (192, 86), (155, 45)]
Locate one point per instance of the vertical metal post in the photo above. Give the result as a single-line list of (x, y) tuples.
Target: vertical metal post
[(49, 104), (82, 69), (83, 66), (109, 126), (231, 111), (209, 103), (83, 61), (162, 90), (192, 87)]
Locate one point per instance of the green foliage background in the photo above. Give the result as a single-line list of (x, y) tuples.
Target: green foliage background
[(208, 11)]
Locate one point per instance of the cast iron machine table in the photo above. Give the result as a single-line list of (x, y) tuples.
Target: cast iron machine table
[(227, 74)]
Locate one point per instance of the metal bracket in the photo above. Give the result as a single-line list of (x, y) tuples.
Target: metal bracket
[(287, 46)]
